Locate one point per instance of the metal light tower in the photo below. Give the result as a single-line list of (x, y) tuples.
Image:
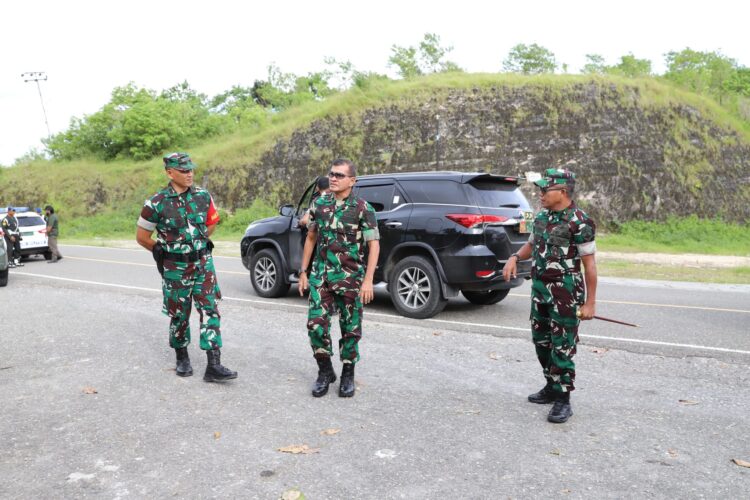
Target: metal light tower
[(37, 76)]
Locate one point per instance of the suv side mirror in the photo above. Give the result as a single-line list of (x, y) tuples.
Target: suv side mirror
[(286, 210)]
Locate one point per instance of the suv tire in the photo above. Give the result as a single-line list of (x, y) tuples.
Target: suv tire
[(4, 277), (266, 274), (415, 288), (485, 298)]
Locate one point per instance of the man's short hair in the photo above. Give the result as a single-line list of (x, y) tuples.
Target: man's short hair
[(343, 161), (322, 182)]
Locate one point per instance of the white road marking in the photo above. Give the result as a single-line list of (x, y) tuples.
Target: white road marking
[(122, 262), (651, 304), (624, 302), (399, 319)]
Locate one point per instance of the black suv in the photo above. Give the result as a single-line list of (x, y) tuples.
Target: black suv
[(440, 233)]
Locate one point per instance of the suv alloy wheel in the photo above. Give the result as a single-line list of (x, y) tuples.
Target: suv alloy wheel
[(265, 274), (415, 288)]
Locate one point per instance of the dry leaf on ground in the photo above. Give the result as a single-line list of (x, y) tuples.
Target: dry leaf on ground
[(555, 452), (599, 350), (436, 334), (688, 402), (298, 448), (493, 355), (672, 453), (741, 463), (217, 435), (292, 495), (330, 432), (89, 390)]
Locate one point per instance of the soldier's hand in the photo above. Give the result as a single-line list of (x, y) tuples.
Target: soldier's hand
[(509, 271), (586, 312), (366, 293), (303, 284)]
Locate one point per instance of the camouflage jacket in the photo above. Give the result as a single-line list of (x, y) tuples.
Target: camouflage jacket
[(180, 220), (343, 228), (558, 240)]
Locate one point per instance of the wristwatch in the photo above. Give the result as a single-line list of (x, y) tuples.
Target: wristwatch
[(515, 255), (300, 271)]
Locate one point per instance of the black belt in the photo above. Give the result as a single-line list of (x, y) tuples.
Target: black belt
[(185, 257)]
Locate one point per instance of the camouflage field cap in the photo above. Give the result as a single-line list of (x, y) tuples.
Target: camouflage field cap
[(178, 160), (556, 176)]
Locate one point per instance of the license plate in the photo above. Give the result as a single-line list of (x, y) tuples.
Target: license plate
[(523, 226), (28, 233)]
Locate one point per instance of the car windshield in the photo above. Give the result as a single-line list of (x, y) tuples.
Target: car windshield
[(31, 220)]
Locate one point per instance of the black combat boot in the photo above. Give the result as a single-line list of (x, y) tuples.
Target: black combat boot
[(561, 411), (326, 376), (183, 363), (346, 387), (215, 371), (543, 397)]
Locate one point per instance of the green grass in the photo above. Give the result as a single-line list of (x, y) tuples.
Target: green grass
[(625, 269), (122, 225), (679, 235)]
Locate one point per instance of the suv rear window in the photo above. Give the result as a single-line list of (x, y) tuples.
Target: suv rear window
[(435, 191), (496, 194)]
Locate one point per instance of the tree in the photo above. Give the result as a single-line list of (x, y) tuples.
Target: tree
[(422, 60), (529, 60), (594, 65), (702, 72), (631, 67)]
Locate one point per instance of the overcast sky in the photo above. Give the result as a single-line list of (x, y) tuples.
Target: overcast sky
[(87, 48)]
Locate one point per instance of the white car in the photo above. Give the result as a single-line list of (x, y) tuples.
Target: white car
[(33, 234)]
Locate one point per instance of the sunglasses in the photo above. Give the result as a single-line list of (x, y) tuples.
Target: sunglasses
[(545, 190), (338, 175)]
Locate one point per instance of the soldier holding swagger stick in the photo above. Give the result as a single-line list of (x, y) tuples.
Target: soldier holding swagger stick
[(184, 216), (561, 240), (341, 224)]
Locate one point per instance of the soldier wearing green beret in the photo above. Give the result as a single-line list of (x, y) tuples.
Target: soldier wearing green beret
[(184, 216), (563, 286)]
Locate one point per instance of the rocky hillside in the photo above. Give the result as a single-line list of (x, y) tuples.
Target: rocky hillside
[(641, 149)]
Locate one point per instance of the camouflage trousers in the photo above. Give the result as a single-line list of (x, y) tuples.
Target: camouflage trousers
[(184, 282), (554, 328), (322, 299)]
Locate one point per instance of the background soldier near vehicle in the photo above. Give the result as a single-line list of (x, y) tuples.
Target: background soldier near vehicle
[(184, 216), (52, 233), (12, 238), (561, 240), (340, 224)]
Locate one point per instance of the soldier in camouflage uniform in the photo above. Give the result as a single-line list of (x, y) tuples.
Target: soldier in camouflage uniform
[(184, 216), (340, 225), (561, 241)]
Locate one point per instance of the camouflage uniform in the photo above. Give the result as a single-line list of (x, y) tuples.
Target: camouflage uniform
[(181, 221), (558, 240), (337, 272)]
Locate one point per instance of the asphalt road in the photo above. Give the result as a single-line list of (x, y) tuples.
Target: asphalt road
[(440, 411)]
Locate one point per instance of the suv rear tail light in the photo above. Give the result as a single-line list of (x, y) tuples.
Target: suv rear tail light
[(485, 273), (471, 221)]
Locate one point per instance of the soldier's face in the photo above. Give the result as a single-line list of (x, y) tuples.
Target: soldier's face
[(339, 179), (181, 179), (554, 198)]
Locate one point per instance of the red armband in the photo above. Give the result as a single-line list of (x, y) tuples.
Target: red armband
[(212, 217)]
